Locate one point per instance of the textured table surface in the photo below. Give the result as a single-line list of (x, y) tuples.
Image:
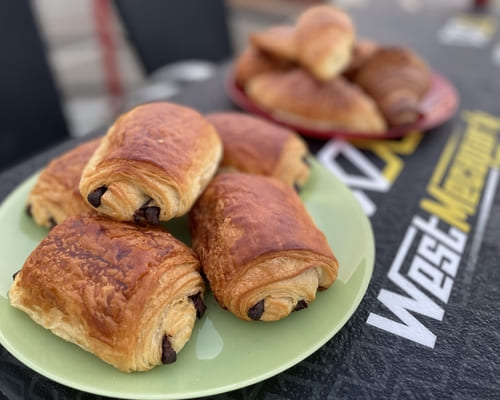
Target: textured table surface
[(429, 325)]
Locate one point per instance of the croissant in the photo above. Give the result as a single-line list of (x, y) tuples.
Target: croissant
[(278, 41), (55, 195), (297, 98), (256, 146), (152, 164), (252, 62), (128, 294), (397, 79), (324, 37), (362, 51), (260, 250)]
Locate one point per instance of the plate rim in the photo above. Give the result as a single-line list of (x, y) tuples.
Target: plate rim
[(238, 97), (40, 369)]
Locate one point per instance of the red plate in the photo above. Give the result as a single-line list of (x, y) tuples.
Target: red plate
[(438, 105)]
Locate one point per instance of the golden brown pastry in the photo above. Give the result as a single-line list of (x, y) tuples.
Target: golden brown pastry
[(362, 51), (397, 79), (256, 146), (297, 98), (252, 62), (152, 164), (278, 41), (324, 37), (55, 195), (259, 248), (128, 294)]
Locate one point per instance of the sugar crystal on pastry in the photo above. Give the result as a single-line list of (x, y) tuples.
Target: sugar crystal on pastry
[(277, 41)]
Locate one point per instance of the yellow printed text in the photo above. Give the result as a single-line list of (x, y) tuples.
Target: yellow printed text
[(455, 188)]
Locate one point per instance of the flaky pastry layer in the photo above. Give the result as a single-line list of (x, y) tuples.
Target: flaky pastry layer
[(297, 98), (259, 248), (256, 146), (55, 195), (128, 294), (152, 164), (324, 39)]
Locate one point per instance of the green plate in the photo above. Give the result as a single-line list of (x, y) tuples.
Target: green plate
[(224, 353)]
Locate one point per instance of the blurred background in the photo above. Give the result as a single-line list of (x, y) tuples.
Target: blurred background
[(82, 61), (101, 57)]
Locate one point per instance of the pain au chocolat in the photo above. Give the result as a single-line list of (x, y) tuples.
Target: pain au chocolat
[(324, 38), (397, 79), (126, 293), (260, 250), (152, 164), (55, 195), (297, 98), (256, 146)]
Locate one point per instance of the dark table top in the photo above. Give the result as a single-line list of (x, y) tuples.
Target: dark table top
[(428, 326)]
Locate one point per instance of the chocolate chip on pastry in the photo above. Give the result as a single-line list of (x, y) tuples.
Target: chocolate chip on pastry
[(301, 305), (256, 146), (158, 152), (147, 214), (168, 354), (199, 305), (94, 198), (260, 250), (256, 311), (55, 195), (52, 222), (113, 288)]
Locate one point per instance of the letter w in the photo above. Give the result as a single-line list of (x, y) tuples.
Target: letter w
[(409, 327)]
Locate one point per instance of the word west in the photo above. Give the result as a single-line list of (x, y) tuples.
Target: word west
[(428, 259)]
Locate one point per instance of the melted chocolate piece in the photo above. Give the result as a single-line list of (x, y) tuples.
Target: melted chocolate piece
[(147, 215), (168, 354), (256, 311), (305, 160), (198, 304), (94, 197), (301, 304), (15, 274), (139, 216), (28, 210), (152, 215), (52, 222)]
